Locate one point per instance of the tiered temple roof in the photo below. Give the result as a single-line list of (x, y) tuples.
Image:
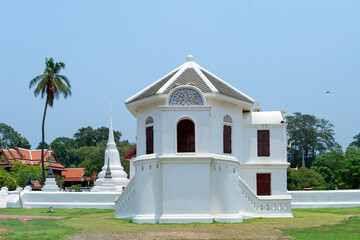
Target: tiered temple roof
[(30, 157)]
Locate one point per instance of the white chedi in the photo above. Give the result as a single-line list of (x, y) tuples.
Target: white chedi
[(112, 157), (107, 184), (50, 182)]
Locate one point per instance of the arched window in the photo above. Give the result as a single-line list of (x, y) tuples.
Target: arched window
[(149, 120), (149, 135), (186, 136), (227, 119), (227, 134)]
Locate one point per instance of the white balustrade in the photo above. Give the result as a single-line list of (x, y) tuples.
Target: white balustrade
[(125, 203), (253, 205)]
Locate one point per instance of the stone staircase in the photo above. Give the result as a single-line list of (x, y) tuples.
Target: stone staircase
[(253, 206), (125, 203)]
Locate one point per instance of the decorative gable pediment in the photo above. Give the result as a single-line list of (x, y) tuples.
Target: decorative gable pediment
[(185, 96)]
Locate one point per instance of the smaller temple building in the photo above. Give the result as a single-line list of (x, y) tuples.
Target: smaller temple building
[(31, 157), (75, 176)]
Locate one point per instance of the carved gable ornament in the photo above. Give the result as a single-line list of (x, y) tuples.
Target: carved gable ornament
[(186, 97)]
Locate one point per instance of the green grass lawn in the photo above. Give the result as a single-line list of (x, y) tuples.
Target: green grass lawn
[(330, 223), (349, 230)]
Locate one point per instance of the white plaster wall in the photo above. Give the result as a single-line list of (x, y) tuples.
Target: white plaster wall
[(131, 168), (224, 187), (143, 113), (201, 118), (271, 121), (186, 188), (278, 177), (277, 144), (325, 199), (100, 200), (218, 111), (148, 188)]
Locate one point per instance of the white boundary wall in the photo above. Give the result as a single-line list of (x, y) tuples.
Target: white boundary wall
[(99, 200), (325, 198)]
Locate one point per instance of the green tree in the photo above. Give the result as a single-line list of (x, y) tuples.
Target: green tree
[(59, 181), (11, 138), (46, 146), (62, 153), (87, 136), (92, 158), (50, 84), (292, 179), (7, 180), (67, 142), (310, 137), (328, 165), (356, 142), (350, 171), (305, 178), (22, 172), (63, 146)]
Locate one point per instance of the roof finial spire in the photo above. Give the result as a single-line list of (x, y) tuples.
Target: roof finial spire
[(190, 58), (111, 139), (257, 106), (111, 110)]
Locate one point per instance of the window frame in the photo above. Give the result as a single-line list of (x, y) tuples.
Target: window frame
[(178, 136), (263, 143), (149, 146), (227, 140)]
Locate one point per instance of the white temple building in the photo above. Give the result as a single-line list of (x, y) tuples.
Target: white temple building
[(203, 154), (112, 160)]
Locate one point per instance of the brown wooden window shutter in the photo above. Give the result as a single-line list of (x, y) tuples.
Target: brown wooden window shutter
[(263, 137), (227, 139), (186, 136), (263, 183), (149, 140)]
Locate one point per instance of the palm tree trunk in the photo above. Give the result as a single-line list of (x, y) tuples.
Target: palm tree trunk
[(43, 142)]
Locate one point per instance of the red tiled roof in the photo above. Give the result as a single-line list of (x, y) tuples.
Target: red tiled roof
[(27, 154), (5, 165), (131, 153), (31, 157), (74, 175), (37, 185)]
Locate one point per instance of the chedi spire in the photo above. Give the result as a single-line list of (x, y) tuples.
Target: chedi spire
[(112, 160)]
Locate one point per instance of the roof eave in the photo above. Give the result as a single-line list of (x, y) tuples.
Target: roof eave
[(133, 106), (247, 105)]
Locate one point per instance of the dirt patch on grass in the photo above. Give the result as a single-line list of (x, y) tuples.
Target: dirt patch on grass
[(149, 235), (23, 217), (2, 231), (275, 234)]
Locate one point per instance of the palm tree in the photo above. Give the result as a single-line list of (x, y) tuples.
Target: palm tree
[(51, 85)]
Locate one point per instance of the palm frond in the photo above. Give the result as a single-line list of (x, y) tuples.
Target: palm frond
[(65, 79), (41, 86), (35, 80), (62, 87)]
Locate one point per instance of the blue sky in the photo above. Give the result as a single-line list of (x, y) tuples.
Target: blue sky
[(287, 54)]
